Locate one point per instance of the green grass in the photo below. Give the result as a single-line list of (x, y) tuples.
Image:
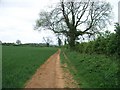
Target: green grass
[(20, 63), (92, 71), (0, 66)]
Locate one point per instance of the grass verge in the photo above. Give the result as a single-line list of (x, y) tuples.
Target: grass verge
[(91, 71)]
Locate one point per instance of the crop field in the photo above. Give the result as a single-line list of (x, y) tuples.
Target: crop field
[(91, 71), (20, 63)]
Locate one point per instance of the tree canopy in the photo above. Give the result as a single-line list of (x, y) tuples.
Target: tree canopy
[(73, 18), (18, 42)]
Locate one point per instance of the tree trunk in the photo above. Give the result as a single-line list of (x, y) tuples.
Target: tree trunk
[(72, 38), (72, 42)]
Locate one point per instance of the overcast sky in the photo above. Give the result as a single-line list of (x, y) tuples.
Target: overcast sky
[(17, 20)]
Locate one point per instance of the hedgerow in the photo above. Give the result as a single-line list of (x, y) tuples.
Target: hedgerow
[(107, 43)]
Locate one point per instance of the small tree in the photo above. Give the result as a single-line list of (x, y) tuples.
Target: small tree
[(18, 42), (47, 41), (59, 41)]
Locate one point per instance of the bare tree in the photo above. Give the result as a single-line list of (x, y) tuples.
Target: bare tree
[(47, 41), (75, 18)]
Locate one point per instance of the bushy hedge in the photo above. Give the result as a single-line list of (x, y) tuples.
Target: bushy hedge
[(107, 43)]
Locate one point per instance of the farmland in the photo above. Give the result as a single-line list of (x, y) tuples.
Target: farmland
[(77, 44), (20, 63), (91, 71)]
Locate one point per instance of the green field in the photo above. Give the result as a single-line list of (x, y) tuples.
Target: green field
[(92, 71), (20, 63), (0, 66)]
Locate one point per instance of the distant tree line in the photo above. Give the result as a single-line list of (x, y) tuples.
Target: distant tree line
[(28, 44)]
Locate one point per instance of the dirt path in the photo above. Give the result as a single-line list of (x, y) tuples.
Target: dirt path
[(49, 75)]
